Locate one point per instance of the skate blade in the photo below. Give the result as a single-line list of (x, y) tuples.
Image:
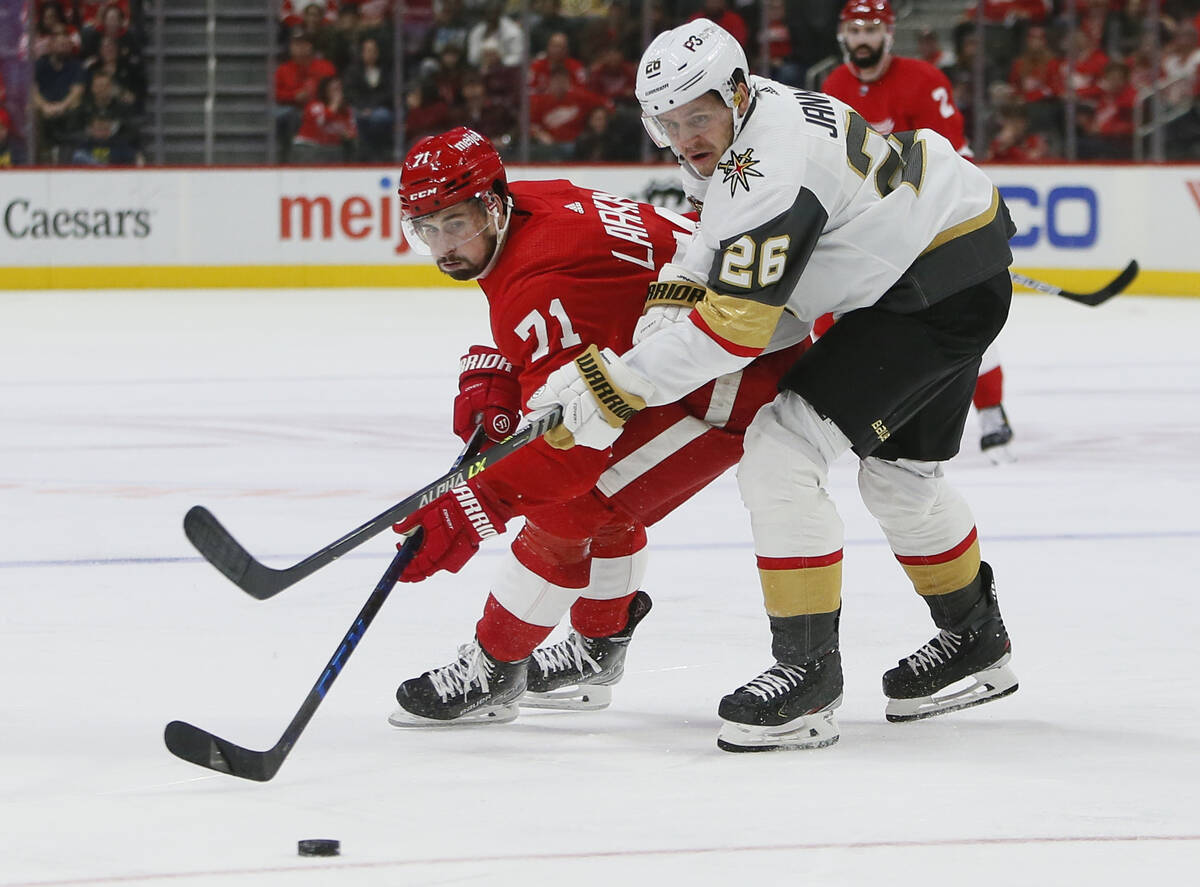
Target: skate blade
[(499, 714), (576, 697), (992, 683), (1001, 455), (816, 730)]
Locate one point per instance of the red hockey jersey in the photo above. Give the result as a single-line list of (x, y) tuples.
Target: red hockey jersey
[(911, 94), (573, 272)]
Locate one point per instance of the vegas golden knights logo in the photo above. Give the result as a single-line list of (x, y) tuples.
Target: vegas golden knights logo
[(739, 169)]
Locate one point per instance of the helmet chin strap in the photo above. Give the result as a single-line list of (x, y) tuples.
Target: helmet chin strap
[(496, 207)]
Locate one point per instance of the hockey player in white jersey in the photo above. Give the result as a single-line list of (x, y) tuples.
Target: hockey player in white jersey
[(807, 210)]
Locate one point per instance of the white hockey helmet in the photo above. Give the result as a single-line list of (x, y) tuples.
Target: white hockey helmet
[(685, 63)]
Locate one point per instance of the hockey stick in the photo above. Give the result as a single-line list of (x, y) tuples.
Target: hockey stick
[(1094, 298), (200, 747), (260, 581)]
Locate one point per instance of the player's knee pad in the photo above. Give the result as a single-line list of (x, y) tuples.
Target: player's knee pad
[(781, 477), (919, 511), (619, 559), (530, 597)]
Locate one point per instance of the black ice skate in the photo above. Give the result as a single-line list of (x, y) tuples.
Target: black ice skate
[(997, 434), (577, 674), (473, 689), (974, 654), (785, 707)]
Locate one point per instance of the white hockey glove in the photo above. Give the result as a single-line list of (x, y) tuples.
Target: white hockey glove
[(669, 300), (598, 394)]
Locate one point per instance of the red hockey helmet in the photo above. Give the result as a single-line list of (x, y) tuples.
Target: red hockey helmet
[(868, 11), (446, 169)]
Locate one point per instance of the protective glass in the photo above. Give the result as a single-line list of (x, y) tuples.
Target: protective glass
[(447, 230)]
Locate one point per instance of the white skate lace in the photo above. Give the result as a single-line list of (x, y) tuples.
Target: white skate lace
[(776, 680), (937, 651), (564, 655), (456, 679)]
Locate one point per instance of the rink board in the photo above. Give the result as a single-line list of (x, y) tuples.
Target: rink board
[(301, 227)]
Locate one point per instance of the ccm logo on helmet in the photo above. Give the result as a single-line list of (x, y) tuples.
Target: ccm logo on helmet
[(418, 195)]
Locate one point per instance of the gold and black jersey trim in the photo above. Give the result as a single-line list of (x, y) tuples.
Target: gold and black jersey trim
[(743, 322), (962, 229), (958, 258)]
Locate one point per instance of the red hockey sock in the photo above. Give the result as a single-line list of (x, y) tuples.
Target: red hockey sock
[(599, 619), (504, 636), (989, 389)]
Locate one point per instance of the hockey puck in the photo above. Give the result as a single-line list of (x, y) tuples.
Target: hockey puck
[(320, 847)]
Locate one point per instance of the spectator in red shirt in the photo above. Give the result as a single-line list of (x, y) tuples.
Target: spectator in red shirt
[(1037, 78), (296, 83), (327, 131), (1014, 143), (718, 11), (1037, 73), (1090, 64), (613, 76), (1109, 128), (557, 117), (557, 55)]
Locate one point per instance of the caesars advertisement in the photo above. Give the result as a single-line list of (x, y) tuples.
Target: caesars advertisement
[(285, 227)]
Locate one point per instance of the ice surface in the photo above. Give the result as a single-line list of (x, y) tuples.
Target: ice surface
[(296, 416)]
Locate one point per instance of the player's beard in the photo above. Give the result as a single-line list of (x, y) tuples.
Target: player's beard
[(865, 62), (468, 270)]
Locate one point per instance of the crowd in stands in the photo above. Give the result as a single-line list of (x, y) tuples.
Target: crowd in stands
[(89, 83), (1074, 67), (461, 63), (461, 66)]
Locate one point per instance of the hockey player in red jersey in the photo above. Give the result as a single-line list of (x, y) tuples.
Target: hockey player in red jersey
[(563, 268), (897, 94)]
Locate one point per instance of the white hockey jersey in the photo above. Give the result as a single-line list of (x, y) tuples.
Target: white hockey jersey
[(811, 211)]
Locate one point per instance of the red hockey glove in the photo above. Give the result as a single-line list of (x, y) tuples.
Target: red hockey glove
[(455, 523), (488, 392)]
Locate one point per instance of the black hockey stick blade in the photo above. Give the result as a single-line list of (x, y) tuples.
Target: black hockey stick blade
[(202, 748), (1097, 297), (224, 552)]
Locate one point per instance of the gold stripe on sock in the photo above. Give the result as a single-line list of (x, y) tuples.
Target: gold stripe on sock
[(802, 592), (947, 576)]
